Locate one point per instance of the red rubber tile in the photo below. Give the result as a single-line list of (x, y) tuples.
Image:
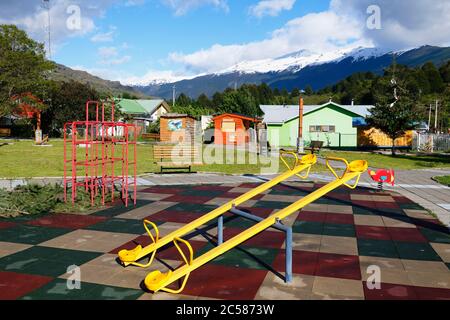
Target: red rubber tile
[(370, 232), (432, 293), (303, 262), (312, 216), (339, 218), (338, 266), (15, 285), (5, 224), (222, 282), (406, 234), (174, 216), (267, 239), (70, 221), (390, 292), (188, 199)]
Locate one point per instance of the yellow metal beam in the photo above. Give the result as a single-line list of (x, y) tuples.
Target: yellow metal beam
[(128, 257), (155, 282)]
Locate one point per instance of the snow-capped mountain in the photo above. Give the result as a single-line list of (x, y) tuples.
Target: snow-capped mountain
[(296, 61), (297, 69)]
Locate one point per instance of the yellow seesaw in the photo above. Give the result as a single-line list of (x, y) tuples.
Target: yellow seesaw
[(156, 280)]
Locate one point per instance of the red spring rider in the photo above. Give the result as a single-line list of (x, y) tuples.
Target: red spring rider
[(382, 176)]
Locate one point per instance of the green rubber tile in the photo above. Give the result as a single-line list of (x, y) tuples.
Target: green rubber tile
[(45, 261), (244, 257), (120, 225), (435, 235), (289, 192), (411, 206), (58, 290), (30, 234), (270, 204), (239, 222), (377, 248), (338, 230), (309, 227), (416, 251), (192, 207), (364, 211), (120, 208)]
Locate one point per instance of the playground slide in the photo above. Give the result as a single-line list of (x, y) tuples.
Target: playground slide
[(128, 257), (156, 281)]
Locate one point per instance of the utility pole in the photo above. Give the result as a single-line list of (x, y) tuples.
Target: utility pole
[(429, 118), (436, 118), (46, 5), (173, 96), (300, 142)]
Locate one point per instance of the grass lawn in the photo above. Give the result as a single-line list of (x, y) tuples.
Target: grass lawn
[(405, 162), (23, 159), (445, 180)]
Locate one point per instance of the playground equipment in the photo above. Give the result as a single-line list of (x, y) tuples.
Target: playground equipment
[(156, 280), (107, 147), (382, 176), (29, 107)]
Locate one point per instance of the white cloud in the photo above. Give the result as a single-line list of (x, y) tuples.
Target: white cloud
[(107, 52), (105, 36), (317, 32), (181, 7), (33, 18), (404, 24), (110, 56), (270, 7)]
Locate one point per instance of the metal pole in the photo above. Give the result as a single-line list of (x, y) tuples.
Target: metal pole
[(220, 230), (429, 118), (289, 255), (300, 143), (173, 96), (436, 118)]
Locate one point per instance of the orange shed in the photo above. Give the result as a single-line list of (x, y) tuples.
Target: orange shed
[(231, 128)]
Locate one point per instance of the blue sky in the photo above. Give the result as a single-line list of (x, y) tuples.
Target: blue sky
[(140, 40)]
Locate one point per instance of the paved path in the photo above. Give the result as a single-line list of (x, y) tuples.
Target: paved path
[(416, 185)]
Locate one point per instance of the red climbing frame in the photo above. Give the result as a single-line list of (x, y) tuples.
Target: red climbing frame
[(108, 146)]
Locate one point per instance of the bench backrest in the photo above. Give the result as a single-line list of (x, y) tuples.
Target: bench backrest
[(316, 144), (180, 152)]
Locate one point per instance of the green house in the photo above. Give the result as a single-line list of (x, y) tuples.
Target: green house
[(332, 123)]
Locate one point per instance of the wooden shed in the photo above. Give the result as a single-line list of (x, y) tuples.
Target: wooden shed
[(371, 137), (177, 128), (232, 128)]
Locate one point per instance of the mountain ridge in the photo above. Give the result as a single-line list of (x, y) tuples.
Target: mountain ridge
[(318, 71)]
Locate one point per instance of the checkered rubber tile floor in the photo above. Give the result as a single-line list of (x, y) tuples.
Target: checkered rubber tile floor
[(337, 240)]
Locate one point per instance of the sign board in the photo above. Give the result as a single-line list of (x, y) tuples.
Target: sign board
[(175, 125)]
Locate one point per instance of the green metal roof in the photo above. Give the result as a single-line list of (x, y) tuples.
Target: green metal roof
[(129, 106), (150, 105)]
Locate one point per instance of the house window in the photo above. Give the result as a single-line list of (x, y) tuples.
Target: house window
[(228, 126), (330, 129)]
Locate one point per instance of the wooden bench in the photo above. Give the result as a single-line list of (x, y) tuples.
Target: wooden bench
[(150, 136), (315, 146), (5, 132), (176, 156)]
